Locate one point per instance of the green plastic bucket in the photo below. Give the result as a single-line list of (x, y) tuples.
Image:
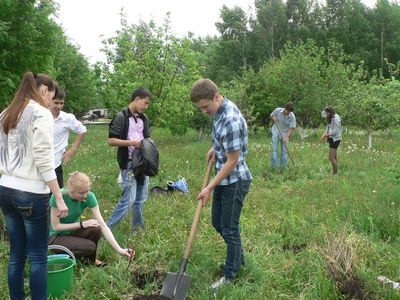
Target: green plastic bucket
[(60, 272)]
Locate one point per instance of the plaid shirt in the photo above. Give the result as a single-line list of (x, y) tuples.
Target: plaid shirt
[(229, 135)]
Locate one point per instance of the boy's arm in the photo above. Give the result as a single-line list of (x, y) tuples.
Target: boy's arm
[(274, 114), (123, 143), (231, 163), (71, 151), (286, 139)]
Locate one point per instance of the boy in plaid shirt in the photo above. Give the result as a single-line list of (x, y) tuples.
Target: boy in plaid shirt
[(232, 180)]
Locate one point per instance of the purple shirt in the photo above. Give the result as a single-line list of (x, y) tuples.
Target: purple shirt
[(135, 132)]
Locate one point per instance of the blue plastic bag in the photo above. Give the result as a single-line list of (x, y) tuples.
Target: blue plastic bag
[(179, 185)]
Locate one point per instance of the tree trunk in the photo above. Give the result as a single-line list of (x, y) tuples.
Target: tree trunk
[(382, 50), (272, 42), (369, 139), (303, 132)]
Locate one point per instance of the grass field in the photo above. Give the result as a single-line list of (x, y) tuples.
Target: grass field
[(307, 235)]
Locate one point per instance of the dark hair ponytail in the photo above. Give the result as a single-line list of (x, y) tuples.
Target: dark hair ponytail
[(330, 113)]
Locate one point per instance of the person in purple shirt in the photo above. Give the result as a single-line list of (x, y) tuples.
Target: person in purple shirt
[(126, 130)]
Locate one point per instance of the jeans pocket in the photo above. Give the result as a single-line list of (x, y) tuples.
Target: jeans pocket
[(25, 211)]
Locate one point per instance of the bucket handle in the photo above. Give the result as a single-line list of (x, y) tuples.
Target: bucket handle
[(62, 248)]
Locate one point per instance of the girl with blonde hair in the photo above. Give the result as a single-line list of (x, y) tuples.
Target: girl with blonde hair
[(78, 235)]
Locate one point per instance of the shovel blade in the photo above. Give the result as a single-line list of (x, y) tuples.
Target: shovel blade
[(171, 284)]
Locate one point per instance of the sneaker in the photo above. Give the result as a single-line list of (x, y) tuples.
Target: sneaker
[(220, 282)]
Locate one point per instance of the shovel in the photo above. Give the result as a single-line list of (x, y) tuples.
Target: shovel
[(177, 284), (286, 146)]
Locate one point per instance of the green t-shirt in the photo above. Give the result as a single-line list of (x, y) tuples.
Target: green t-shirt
[(75, 209)]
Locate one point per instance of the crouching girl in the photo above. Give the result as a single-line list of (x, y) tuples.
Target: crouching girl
[(81, 237)]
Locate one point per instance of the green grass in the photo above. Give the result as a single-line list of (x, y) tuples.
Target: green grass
[(286, 220)]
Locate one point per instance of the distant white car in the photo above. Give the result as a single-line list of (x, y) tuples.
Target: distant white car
[(89, 117)]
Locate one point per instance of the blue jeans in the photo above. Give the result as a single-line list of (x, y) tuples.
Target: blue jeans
[(27, 222), (276, 140), (226, 209), (133, 195)]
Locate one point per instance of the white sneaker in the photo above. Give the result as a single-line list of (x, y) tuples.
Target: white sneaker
[(220, 282)]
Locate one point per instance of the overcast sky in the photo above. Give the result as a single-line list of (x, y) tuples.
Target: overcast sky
[(84, 21)]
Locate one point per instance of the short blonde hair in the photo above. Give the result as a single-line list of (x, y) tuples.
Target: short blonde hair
[(203, 89), (77, 179)]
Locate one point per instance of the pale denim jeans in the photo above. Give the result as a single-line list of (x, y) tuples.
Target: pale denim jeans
[(276, 140), (133, 196)]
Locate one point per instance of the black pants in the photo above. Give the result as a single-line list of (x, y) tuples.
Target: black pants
[(60, 176)]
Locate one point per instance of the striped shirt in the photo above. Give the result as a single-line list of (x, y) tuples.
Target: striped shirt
[(229, 135)]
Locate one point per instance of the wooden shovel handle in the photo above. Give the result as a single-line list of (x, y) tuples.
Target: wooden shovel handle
[(286, 146), (189, 242)]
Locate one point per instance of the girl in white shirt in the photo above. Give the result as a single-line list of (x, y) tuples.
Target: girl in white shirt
[(27, 168), (333, 134)]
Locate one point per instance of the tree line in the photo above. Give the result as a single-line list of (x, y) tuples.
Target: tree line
[(341, 53), (369, 36), (30, 40)]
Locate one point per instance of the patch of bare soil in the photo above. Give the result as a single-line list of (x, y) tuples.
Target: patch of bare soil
[(142, 276)]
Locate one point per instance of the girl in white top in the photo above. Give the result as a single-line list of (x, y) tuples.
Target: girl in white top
[(27, 168), (333, 134)]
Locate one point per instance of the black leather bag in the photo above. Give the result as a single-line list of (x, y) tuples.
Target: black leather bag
[(145, 159)]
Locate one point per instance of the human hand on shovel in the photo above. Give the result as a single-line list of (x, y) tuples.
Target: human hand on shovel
[(205, 193)]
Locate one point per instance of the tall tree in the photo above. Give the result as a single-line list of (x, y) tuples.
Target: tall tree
[(372, 106), (150, 56), (272, 22), (386, 21), (233, 30), (74, 74), (299, 17), (26, 41), (30, 40)]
